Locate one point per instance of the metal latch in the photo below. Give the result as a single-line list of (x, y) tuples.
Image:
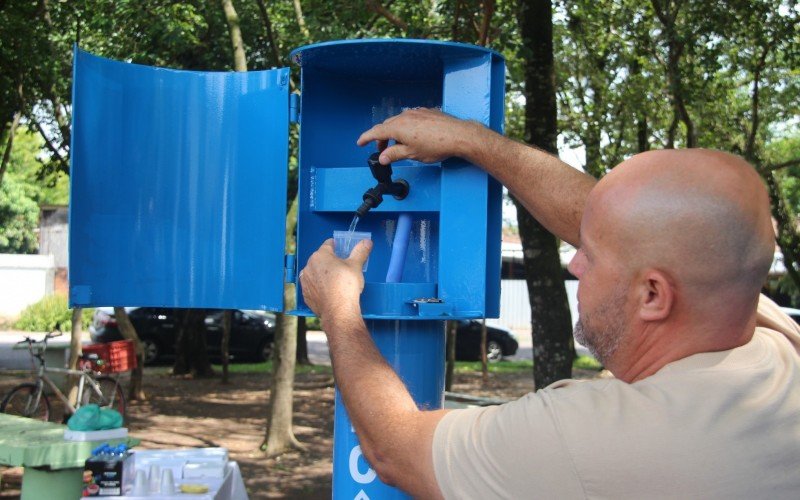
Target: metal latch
[(432, 307), (290, 269), (294, 107)]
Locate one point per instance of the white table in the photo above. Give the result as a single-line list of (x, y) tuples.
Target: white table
[(229, 487)]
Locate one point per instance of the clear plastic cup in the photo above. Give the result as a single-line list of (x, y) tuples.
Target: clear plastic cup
[(344, 242), (140, 484), (167, 482), (154, 478)]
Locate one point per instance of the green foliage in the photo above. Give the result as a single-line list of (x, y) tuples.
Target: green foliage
[(50, 313), (313, 323), (26, 185), (19, 216)]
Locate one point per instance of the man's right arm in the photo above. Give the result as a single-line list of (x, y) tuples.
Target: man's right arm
[(552, 191)]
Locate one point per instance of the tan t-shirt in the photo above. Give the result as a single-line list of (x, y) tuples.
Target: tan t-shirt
[(713, 425)]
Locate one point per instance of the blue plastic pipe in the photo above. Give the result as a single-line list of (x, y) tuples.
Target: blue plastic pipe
[(397, 260)]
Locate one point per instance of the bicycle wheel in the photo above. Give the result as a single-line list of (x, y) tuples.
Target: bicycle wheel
[(24, 401), (112, 395)]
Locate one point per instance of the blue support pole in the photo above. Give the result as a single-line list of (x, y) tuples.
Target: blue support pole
[(415, 349)]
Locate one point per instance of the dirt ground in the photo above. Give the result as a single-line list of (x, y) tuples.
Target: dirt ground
[(196, 413)]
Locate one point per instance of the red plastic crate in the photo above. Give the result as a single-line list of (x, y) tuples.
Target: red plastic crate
[(119, 356)]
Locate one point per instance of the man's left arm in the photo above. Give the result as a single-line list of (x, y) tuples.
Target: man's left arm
[(396, 437)]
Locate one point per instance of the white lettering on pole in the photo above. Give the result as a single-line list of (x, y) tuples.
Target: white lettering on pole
[(357, 476)]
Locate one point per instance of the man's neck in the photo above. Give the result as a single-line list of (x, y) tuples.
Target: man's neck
[(655, 346)]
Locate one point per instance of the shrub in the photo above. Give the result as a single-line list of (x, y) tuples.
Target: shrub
[(48, 313), (312, 323)]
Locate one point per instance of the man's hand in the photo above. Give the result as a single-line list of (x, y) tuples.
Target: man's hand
[(424, 135), (331, 284)]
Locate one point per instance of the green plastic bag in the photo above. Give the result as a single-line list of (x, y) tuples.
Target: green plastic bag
[(93, 418)]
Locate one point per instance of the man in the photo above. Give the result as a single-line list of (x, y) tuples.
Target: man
[(673, 247)]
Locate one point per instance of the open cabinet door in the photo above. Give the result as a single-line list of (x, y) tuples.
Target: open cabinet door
[(178, 186)]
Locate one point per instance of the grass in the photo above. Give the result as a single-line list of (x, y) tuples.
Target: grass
[(525, 365), (266, 367), (587, 363)]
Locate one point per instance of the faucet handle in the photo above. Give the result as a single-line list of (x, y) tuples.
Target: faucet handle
[(381, 173)]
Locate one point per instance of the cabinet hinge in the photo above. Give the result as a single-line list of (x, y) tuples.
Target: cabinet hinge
[(290, 269), (294, 108)]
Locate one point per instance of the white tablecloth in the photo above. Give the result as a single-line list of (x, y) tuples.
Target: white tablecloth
[(229, 487)]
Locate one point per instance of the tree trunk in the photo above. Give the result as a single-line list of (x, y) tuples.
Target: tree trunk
[(279, 436), (75, 351), (227, 317), (302, 342), (452, 326), (642, 142), (9, 144), (301, 20), (191, 353), (128, 332), (239, 58), (668, 16), (484, 360), (273, 45), (551, 325), (591, 141)]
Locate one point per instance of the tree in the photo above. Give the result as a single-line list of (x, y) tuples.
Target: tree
[(279, 436), (551, 326), (239, 64), (128, 332), (728, 71), (191, 353)]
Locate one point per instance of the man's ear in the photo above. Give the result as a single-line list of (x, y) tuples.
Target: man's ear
[(657, 295)]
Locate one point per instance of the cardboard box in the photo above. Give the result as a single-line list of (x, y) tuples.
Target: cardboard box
[(107, 476)]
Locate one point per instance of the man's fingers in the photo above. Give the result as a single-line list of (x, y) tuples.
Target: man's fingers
[(395, 153), (376, 133), (360, 253)]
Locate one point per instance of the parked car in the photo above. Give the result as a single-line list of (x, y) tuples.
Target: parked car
[(500, 342), (252, 332)]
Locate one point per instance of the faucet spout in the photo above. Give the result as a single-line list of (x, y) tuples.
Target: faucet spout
[(383, 174)]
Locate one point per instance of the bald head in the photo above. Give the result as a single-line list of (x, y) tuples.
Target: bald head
[(701, 216)]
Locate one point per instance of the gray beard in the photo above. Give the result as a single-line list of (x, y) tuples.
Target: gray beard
[(602, 340)]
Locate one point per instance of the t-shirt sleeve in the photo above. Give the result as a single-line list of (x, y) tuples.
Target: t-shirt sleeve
[(513, 450)]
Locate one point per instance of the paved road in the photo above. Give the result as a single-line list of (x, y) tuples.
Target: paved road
[(19, 359)]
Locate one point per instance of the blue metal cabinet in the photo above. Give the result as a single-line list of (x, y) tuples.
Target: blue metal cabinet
[(454, 251), (179, 180), (178, 186)]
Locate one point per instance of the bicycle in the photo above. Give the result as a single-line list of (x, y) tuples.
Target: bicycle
[(30, 400)]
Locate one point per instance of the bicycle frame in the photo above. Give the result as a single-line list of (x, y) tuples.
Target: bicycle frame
[(85, 375), (84, 378)]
